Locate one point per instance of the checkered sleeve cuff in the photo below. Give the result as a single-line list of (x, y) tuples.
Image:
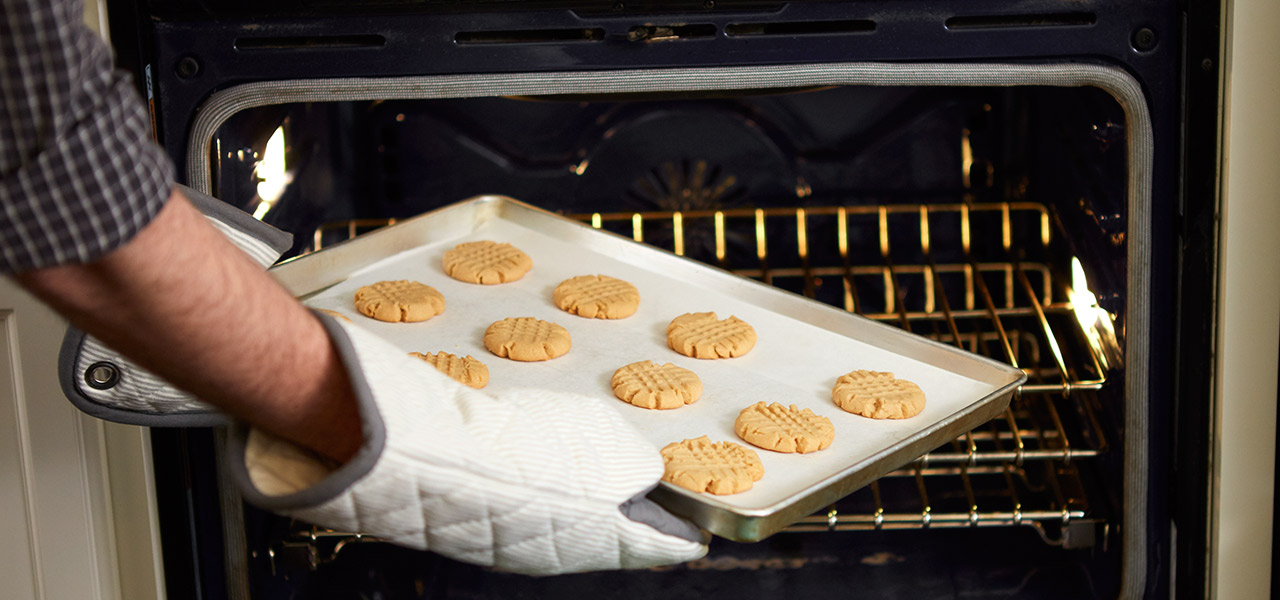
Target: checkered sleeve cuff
[(79, 172), (100, 183)]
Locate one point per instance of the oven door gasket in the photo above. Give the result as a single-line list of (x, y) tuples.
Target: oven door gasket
[(1126, 90)]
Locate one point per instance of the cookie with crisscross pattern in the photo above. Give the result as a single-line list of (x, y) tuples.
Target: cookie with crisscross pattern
[(701, 335), (597, 297), (878, 395), (486, 262), (784, 429), (648, 385), (467, 370), (400, 301), (527, 339), (719, 468)]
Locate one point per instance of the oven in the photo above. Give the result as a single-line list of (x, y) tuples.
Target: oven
[(1032, 181)]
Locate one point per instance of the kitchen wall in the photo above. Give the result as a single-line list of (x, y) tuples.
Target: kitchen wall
[(1249, 303)]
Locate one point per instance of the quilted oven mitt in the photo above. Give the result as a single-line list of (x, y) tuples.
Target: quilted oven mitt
[(102, 383), (529, 481)]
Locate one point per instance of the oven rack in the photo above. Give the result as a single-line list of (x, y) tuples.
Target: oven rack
[(993, 295), (1005, 483), (989, 488), (956, 272)]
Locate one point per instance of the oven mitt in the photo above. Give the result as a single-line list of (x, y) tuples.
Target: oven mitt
[(102, 383), (528, 481)]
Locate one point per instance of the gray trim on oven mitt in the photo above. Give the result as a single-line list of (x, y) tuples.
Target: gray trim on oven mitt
[(643, 510), (262, 242), (131, 394), (529, 481), (104, 384)]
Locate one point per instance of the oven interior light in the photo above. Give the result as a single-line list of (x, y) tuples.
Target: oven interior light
[(802, 234), (720, 243), (273, 177), (761, 251), (1097, 324), (677, 232), (1083, 301)]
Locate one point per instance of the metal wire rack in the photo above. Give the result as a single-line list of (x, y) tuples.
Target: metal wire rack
[(977, 275), (959, 273)]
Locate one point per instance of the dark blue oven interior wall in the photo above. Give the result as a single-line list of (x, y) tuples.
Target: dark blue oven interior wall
[(362, 160), (838, 146)]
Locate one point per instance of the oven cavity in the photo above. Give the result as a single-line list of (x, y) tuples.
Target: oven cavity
[(994, 219)]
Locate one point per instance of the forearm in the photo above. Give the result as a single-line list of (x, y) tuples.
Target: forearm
[(183, 302)]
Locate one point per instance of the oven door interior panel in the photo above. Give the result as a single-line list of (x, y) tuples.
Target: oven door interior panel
[(1004, 208)]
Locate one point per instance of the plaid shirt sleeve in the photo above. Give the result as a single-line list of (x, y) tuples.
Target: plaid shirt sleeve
[(79, 172)]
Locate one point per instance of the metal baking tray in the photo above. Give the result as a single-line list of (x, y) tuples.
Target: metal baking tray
[(802, 347)]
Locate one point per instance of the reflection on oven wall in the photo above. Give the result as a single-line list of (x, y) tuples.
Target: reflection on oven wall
[(939, 210)]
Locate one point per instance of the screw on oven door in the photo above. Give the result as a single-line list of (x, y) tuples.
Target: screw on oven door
[(1144, 39), (102, 375), (187, 67)]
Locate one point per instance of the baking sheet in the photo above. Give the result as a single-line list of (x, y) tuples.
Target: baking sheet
[(802, 347)]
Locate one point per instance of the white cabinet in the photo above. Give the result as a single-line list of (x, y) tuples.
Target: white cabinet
[(76, 497)]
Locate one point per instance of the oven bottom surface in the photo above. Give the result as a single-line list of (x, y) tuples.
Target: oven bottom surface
[(916, 565)]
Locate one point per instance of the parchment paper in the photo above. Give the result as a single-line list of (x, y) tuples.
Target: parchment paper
[(792, 362)]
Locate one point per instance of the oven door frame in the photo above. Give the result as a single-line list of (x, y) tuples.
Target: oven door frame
[(162, 52)]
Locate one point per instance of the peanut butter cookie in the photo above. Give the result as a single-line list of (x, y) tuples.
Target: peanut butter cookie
[(400, 301), (719, 468), (597, 297), (701, 335), (467, 371), (647, 385), (784, 429), (486, 262), (527, 339), (878, 395)]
